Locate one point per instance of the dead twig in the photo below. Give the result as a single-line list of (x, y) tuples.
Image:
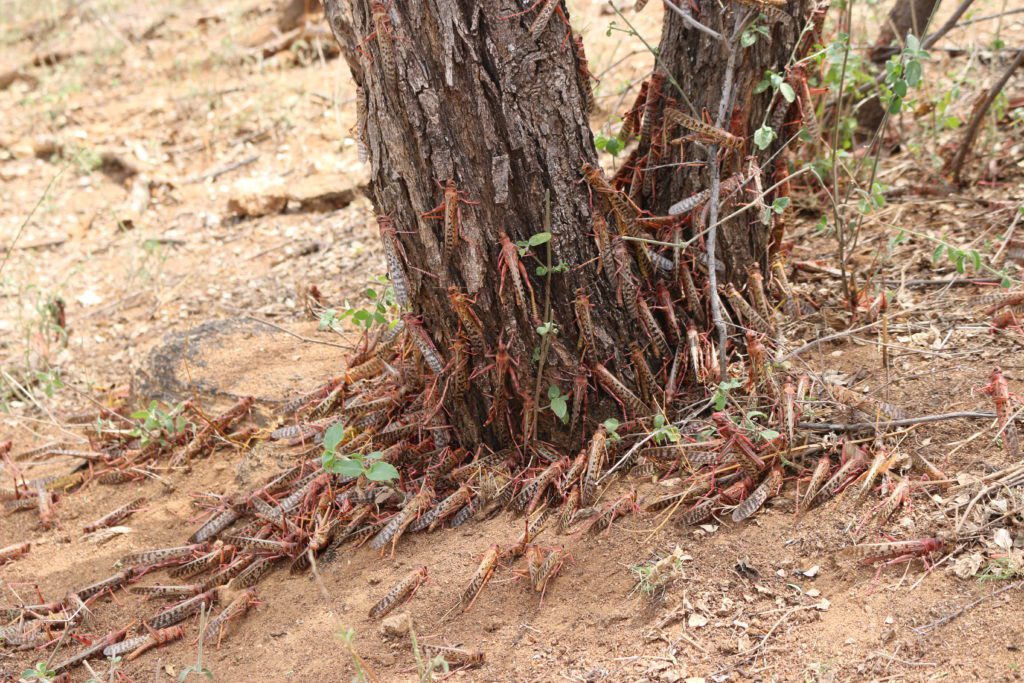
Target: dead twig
[(945, 619), (905, 422), (957, 164)]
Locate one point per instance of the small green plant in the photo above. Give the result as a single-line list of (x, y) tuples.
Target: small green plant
[(665, 431), (157, 423), (547, 328), (40, 672), (198, 669), (611, 145), (721, 395), (535, 240), (750, 425), (611, 425), (1001, 569), (902, 72), (382, 309), (561, 267), (348, 636), (757, 29), (558, 403), (354, 465), (764, 136)]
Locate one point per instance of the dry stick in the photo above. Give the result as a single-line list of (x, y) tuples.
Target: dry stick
[(688, 19), (716, 189), (972, 128), (990, 17), (950, 24), (347, 347), (928, 628), (905, 422), (1009, 234), (31, 213)]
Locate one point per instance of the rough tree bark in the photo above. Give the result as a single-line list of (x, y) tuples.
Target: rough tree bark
[(698, 62), (460, 93)]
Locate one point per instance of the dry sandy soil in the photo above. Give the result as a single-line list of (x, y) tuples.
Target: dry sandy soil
[(184, 96)]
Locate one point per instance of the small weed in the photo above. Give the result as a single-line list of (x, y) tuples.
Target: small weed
[(158, 424), (1002, 569), (558, 403), (665, 431), (354, 465), (611, 425), (382, 309), (363, 674), (40, 672), (198, 669)]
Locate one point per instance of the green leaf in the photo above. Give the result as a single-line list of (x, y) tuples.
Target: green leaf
[(613, 146), (347, 467), (382, 471), (780, 204), (937, 254), (371, 293), (333, 436), (554, 391), (559, 406), (913, 44), (140, 414), (748, 38), (769, 434), (787, 92), (542, 271), (375, 455), (540, 238), (900, 88), (914, 73), (764, 137)]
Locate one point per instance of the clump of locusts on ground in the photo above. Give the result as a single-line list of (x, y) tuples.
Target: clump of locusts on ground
[(724, 431)]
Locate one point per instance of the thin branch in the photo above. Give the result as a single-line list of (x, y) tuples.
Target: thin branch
[(933, 38), (942, 621), (716, 189), (905, 422), (31, 213), (347, 347), (956, 166), (688, 19)]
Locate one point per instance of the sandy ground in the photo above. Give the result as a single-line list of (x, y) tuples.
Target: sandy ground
[(144, 264)]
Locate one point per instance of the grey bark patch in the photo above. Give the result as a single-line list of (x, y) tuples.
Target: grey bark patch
[(499, 177)]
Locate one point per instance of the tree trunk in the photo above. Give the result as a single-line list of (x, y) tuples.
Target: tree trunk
[(906, 16), (474, 118), (457, 92), (699, 62)]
